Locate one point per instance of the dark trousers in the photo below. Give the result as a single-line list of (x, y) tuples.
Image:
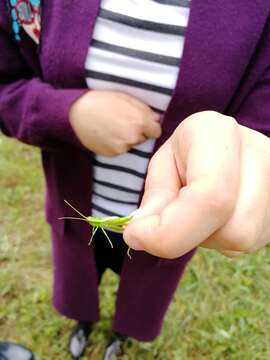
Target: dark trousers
[(107, 257), (139, 314)]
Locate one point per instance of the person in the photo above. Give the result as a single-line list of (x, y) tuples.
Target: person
[(99, 86)]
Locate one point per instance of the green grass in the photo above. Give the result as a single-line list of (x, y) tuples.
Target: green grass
[(221, 310)]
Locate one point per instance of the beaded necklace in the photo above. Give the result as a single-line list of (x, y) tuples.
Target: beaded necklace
[(26, 14)]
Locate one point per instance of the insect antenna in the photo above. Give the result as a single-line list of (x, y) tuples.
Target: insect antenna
[(77, 211), (71, 218)]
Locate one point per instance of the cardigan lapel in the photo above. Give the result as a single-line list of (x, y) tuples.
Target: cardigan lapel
[(220, 41), (67, 28)]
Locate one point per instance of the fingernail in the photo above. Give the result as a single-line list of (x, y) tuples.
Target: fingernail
[(137, 213)]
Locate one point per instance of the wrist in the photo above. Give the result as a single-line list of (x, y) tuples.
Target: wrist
[(82, 105)]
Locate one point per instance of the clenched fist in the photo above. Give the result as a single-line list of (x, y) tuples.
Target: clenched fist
[(208, 185), (110, 123)]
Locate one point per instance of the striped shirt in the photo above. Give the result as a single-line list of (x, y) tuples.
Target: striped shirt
[(136, 48)]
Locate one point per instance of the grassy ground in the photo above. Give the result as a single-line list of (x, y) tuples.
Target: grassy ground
[(219, 312)]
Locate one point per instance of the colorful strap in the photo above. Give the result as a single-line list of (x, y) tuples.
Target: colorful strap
[(26, 14)]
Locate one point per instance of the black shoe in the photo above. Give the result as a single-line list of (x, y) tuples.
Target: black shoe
[(115, 347), (11, 351), (78, 339)]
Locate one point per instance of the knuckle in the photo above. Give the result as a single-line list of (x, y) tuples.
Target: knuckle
[(124, 148), (243, 238), (232, 254), (168, 255), (218, 203), (143, 121), (139, 121), (207, 114), (154, 130), (111, 153), (157, 130), (211, 116), (120, 149), (244, 241), (141, 125), (172, 254), (134, 139)]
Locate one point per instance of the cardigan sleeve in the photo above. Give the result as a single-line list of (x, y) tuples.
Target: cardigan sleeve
[(255, 109), (31, 110)]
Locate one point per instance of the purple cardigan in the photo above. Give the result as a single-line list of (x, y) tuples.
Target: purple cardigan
[(225, 67)]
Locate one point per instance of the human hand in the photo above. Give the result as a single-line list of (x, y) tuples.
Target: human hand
[(110, 123), (208, 185)]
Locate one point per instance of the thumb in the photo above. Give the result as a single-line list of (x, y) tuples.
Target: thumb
[(162, 186)]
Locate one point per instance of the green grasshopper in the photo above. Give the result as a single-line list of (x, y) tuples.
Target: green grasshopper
[(111, 223)]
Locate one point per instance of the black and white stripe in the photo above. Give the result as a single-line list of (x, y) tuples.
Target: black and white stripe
[(98, 75), (137, 54), (136, 48), (141, 23), (183, 3)]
